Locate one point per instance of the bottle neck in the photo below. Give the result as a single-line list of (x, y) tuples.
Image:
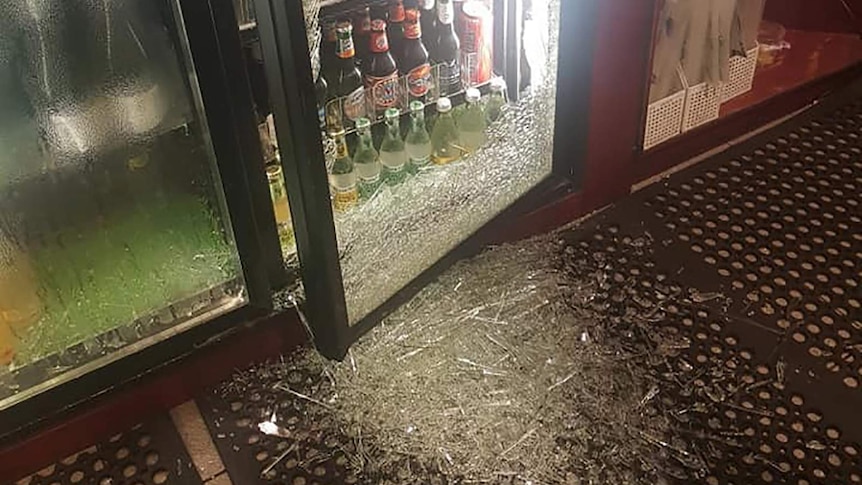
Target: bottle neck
[(412, 30), (365, 138), (396, 13), (345, 48), (341, 147), (379, 43), (418, 120), (393, 128), (445, 14)]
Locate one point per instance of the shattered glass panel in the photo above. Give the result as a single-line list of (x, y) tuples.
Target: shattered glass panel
[(113, 231), (391, 239)]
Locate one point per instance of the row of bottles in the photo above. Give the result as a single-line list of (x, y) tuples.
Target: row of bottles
[(358, 177), (386, 59)]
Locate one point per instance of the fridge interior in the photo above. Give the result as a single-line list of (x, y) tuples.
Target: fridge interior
[(393, 234), (113, 229)]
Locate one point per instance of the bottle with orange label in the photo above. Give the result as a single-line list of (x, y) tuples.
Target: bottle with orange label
[(381, 74), (348, 84), (415, 65)]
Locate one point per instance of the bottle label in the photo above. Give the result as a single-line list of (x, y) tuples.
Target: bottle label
[(412, 30), (384, 90), (341, 148), (379, 41), (345, 49), (321, 116), (354, 104), (370, 179), (445, 12), (419, 80), (450, 77), (344, 190), (421, 162)]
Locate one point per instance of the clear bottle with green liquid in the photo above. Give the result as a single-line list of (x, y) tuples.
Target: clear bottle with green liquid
[(445, 143), (393, 153), (496, 100), (366, 160), (418, 141), (472, 124)]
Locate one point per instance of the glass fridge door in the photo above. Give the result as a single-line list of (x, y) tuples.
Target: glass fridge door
[(434, 118), (115, 229)]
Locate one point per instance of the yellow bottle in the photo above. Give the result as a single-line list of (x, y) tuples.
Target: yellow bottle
[(20, 306)]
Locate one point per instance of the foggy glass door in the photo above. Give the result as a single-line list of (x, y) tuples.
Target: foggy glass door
[(113, 227)]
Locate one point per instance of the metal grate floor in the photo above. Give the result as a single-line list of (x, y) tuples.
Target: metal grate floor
[(151, 453), (769, 361)]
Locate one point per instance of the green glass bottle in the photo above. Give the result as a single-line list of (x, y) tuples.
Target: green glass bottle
[(366, 160), (418, 141), (496, 100), (472, 124), (445, 145), (393, 154), (342, 177)]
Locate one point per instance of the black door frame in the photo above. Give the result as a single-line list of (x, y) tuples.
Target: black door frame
[(214, 47), (284, 42)]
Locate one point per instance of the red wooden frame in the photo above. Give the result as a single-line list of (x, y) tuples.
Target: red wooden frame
[(157, 392)]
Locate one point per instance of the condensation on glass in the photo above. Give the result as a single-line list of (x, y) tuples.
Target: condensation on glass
[(393, 238), (113, 231)]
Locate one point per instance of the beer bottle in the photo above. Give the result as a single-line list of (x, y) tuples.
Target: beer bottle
[(445, 145), (393, 154), (415, 64), (348, 83), (418, 141), (395, 28), (366, 160), (448, 49), (321, 91), (472, 123), (381, 75), (342, 177), (362, 35), (428, 17), (328, 59), (281, 206)]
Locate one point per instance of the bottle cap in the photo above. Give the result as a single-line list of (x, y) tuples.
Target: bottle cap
[(444, 105), (473, 95), (498, 85), (392, 113), (344, 27), (416, 106), (362, 123)]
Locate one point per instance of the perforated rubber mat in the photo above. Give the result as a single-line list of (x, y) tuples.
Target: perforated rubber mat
[(151, 453), (745, 272)]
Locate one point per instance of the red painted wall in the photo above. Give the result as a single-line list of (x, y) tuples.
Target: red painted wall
[(816, 15)]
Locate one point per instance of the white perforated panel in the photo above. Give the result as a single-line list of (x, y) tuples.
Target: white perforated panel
[(701, 105), (742, 71), (664, 119)]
